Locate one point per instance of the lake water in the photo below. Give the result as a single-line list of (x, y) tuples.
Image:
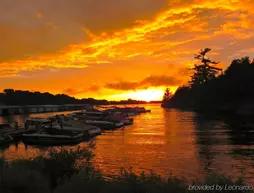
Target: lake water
[(167, 142)]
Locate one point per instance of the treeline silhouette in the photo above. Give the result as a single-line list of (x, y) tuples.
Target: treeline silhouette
[(231, 90), (19, 97)]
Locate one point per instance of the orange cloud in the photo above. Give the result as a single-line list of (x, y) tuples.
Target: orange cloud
[(151, 81), (161, 41)]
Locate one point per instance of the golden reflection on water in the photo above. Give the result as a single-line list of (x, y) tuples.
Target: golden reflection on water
[(167, 142), (157, 141), (20, 151)]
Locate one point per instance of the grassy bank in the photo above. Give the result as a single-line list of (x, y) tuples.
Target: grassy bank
[(69, 171)]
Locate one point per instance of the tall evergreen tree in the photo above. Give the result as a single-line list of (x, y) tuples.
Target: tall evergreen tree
[(204, 71)]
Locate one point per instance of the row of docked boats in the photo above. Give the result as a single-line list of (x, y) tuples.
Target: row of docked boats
[(69, 129), (10, 132)]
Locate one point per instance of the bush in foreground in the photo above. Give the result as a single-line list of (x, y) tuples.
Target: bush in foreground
[(70, 171)]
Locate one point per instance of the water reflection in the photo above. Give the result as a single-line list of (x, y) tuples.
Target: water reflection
[(218, 138), (184, 144), (155, 142)]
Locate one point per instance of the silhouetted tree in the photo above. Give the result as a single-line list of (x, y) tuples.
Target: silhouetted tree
[(19, 97), (166, 98), (167, 95), (232, 91), (203, 72), (9, 91)]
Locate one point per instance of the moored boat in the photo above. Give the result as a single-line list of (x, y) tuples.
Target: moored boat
[(36, 123), (104, 124), (75, 127), (47, 139), (128, 121), (5, 139), (73, 124), (50, 132), (13, 130), (87, 130), (94, 131)]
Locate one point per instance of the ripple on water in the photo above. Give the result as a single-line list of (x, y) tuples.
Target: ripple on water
[(172, 142)]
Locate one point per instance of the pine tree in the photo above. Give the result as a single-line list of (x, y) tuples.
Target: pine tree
[(167, 95), (204, 71)]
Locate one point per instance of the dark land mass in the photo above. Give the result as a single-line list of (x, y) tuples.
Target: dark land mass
[(19, 97), (232, 91)]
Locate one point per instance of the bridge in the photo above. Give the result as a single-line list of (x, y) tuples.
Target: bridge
[(28, 109)]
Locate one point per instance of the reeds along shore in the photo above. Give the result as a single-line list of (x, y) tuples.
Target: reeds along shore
[(69, 129), (65, 171)]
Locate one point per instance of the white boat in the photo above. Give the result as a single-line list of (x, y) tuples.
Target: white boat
[(119, 124), (104, 124), (95, 131), (75, 125), (52, 139), (87, 130), (36, 123), (50, 132)]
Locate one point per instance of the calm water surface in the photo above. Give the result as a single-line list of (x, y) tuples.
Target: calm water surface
[(168, 142)]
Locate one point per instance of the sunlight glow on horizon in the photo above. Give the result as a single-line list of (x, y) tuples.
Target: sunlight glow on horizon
[(141, 95), (148, 95)]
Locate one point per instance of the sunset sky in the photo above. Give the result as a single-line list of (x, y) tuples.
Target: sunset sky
[(117, 49)]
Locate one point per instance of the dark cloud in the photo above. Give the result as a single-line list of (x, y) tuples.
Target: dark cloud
[(75, 91), (123, 85), (160, 81), (71, 91), (151, 81)]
